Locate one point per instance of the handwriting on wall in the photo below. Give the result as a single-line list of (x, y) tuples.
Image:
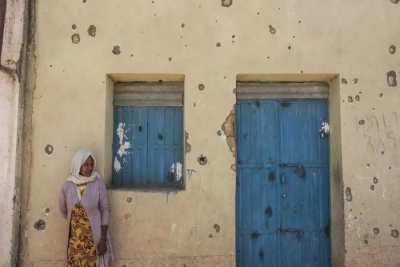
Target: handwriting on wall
[(379, 131)]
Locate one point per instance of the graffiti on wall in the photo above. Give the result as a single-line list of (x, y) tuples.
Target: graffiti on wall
[(379, 131)]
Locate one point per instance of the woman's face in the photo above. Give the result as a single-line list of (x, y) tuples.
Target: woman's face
[(87, 167)]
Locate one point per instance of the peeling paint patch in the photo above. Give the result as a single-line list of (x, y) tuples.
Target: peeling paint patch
[(391, 78), (40, 225), (272, 30), (349, 196), (188, 147), (228, 127), (226, 3), (92, 31), (392, 49), (75, 38)]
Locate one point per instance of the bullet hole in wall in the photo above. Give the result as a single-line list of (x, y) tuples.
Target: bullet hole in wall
[(272, 30), (210, 236), (376, 231), (183, 25), (349, 196), (73, 26), (218, 44), (357, 98), (368, 165), (355, 81), (350, 99), (395, 233), (372, 187), (219, 133), (289, 47), (202, 160), (129, 200), (127, 216), (366, 242), (116, 50), (233, 36), (391, 78), (217, 228), (40, 225), (92, 31), (170, 59), (75, 38), (394, 1), (344, 81), (375, 180), (380, 95), (201, 87), (47, 210), (361, 122), (226, 3), (392, 49), (49, 150)]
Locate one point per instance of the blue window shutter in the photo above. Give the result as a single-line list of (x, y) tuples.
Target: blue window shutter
[(130, 146), (165, 146)]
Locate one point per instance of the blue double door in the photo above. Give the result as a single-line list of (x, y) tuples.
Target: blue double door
[(282, 191)]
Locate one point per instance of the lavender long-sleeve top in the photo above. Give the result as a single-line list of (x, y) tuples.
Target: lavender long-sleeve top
[(95, 203)]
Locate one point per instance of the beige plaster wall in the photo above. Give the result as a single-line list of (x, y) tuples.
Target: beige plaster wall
[(9, 99), (211, 44)]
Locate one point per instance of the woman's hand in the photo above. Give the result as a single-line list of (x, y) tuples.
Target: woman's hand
[(102, 247)]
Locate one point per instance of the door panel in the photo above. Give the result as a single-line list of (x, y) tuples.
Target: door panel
[(282, 196)]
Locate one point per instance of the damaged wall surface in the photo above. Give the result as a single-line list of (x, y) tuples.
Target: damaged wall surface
[(80, 54), (9, 110)]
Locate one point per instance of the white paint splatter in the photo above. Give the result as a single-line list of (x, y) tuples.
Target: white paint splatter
[(178, 171), (120, 132), (117, 165), (122, 149), (325, 130), (172, 168)]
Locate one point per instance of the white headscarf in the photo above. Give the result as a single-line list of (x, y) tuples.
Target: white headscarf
[(80, 157)]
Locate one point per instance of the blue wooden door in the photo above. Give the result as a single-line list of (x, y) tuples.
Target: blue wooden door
[(282, 196)]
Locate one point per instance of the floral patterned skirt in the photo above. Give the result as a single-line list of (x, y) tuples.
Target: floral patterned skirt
[(81, 246)]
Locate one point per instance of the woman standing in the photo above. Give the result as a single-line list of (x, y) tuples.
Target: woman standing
[(84, 203)]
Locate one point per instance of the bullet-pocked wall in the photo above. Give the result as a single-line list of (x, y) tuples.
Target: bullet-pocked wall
[(82, 45)]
